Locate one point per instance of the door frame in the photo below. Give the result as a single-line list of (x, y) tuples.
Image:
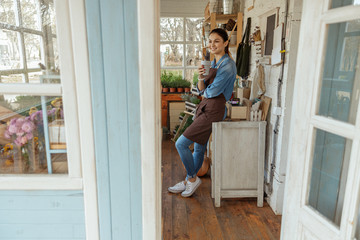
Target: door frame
[(75, 36), (307, 84), (150, 112)]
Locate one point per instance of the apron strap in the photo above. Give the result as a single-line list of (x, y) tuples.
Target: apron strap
[(220, 63)]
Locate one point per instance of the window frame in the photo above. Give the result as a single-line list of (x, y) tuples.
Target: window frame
[(21, 30), (184, 43), (71, 50)]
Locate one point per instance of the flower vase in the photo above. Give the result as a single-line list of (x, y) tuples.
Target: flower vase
[(32, 159), (19, 160), (24, 159)]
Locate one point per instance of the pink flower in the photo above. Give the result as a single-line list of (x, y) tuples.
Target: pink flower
[(33, 116), (23, 140), (36, 117), (29, 136), (12, 128), (19, 133), (13, 121), (28, 126), (19, 121), (17, 142), (7, 134)]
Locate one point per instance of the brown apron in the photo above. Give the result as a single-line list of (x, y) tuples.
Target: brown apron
[(209, 110)]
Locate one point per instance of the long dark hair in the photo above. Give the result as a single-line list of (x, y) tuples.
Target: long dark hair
[(223, 34)]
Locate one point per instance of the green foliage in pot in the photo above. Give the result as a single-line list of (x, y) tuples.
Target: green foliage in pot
[(172, 84), (195, 78), (177, 81), (166, 79), (185, 97), (195, 100), (186, 83)]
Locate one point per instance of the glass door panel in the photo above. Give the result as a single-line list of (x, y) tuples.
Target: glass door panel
[(340, 86), (357, 233), (330, 160), (342, 3)]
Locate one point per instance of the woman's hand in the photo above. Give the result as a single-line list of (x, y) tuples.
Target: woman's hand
[(201, 84), (201, 70)]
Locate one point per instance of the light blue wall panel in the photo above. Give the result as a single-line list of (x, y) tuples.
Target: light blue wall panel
[(49, 215), (99, 111), (112, 41)]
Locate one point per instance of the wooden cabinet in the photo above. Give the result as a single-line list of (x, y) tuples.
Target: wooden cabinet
[(238, 151)]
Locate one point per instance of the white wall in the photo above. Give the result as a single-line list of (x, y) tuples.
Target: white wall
[(272, 74)]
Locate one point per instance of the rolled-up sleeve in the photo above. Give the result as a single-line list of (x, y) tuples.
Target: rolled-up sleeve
[(223, 79), (201, 92)]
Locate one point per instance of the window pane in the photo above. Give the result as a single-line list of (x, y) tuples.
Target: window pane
[(357, 233), (13, 78), (9, 50), (49, 20), (191, 74), (340, 79), (171, 29), (341, 3), (328, 174), (34, 77), (193, 29), (59, 163), (30, 14), (25, 144), (174, 72), (33, 50), (7, 14), (193, 54), (171, 55)]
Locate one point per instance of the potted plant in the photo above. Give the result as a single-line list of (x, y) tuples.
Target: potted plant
[(165, 78), (165, 85), (187, 85), (178, 83), (172, 85)]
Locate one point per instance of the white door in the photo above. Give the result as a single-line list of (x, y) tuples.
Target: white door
[(323, 176)]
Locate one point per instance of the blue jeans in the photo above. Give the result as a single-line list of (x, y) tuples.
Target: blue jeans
[(191, 161)]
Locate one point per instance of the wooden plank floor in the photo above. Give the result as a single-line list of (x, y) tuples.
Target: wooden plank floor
[(197, 218)]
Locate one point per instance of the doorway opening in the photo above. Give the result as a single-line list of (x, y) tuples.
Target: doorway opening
[(183, 40)]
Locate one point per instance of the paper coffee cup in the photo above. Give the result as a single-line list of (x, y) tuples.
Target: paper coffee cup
[(207, 65)]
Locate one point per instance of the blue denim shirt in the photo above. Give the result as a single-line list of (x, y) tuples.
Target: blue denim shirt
[(224, 80)]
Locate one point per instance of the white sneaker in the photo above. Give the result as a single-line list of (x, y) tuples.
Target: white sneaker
[(191, 187), (177, 188)]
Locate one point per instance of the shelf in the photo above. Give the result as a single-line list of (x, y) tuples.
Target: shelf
[(214, 19), (221, 18), (57, 145)]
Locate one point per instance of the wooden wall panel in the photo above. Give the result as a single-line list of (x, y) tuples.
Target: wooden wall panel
[(113, 54), (42, 215)]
